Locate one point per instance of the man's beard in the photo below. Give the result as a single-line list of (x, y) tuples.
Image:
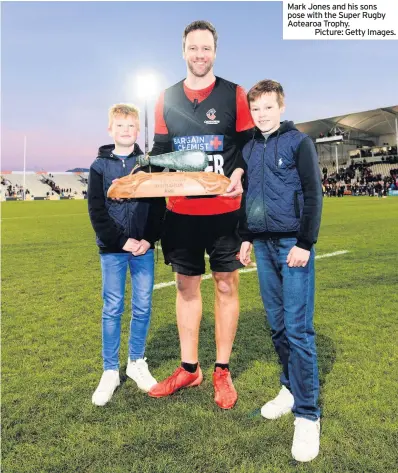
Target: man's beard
[(201, 74)]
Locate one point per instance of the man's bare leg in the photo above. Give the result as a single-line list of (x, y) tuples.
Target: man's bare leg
[(189, 315), (226, 318), (226, 311)]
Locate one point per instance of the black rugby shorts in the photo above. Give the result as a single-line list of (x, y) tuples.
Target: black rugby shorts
[(186, 238)]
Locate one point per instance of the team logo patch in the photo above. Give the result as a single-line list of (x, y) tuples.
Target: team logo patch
[(199, 142), (211, 115)]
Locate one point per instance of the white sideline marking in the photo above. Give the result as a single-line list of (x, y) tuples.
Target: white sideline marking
[(329, 255), (161, 285), (44, 216)]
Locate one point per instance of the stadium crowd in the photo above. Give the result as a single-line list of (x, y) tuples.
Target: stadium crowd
[(362, 183), (13, 190)]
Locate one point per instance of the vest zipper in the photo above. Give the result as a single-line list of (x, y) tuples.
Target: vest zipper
[(276, 149), (126, 204), (262, 187)]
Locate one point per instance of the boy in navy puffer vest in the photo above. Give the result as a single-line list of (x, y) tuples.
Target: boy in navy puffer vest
[(126, 232), (281, 214)]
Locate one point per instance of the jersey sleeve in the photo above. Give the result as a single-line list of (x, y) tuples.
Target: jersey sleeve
[(243, 118), (161, 140)]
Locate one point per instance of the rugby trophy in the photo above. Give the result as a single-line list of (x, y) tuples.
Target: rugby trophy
[(191, 182)]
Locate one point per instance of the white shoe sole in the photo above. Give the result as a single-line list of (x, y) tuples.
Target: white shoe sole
[(304, 460)]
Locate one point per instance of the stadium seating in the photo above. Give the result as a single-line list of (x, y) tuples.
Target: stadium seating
[(35, 183)]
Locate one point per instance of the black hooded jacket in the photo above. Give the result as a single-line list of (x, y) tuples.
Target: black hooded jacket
[(115, 221)]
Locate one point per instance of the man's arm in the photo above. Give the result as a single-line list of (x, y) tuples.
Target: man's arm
[(161, 142), (106, 229), (308, 170), (244, 132), (244, 122)]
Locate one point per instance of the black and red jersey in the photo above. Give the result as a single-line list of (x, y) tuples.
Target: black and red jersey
[(208, 120)]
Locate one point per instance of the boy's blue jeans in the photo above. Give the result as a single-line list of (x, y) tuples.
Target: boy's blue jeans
[(288, 298), (114, 270)]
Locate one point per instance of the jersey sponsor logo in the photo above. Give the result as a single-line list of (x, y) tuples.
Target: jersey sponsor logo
[(199, 142), (211, 115)]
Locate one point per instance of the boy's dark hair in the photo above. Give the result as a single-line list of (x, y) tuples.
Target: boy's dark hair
[(200, 25), (266, 86)]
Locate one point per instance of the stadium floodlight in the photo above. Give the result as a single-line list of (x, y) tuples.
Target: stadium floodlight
[(146, 87)]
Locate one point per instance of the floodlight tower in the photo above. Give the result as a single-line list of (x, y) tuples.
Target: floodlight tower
[(146, 88), (24, 168)]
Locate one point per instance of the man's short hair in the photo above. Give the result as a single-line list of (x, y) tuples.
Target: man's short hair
[(266, 86), (125, 109), (200, 25)]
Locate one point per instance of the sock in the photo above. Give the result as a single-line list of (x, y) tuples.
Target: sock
[(190, 367), (223, 366)]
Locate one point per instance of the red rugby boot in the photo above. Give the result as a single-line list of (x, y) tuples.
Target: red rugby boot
[(178, 380), (225, 394)]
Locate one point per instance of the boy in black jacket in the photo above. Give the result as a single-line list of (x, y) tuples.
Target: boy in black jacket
[(281, 216), (126, 233)]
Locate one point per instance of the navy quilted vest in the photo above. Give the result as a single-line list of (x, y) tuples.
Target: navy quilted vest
[(274, 200)]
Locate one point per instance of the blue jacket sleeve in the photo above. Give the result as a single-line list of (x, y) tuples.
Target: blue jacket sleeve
[(310, 177)]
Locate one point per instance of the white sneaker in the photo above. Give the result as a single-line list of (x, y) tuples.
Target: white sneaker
[(138, 371), (281, 405), (109, 382), (306, 439)]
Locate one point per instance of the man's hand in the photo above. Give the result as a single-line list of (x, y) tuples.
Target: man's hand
[(297, 257), (131, 245), (235, 188), (245, 252), (143, 247)]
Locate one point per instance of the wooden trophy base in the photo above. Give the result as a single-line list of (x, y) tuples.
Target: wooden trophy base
[(166, 184)]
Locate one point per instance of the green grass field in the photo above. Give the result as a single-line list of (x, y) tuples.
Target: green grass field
[(51, 363)]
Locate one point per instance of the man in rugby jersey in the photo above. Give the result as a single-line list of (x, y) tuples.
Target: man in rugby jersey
[(211, 114)]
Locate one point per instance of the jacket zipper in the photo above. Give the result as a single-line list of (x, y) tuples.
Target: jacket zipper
[(127, 204), (262, 187)]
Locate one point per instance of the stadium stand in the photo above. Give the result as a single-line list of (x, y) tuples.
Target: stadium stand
[(357, 152), (43, 185)]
